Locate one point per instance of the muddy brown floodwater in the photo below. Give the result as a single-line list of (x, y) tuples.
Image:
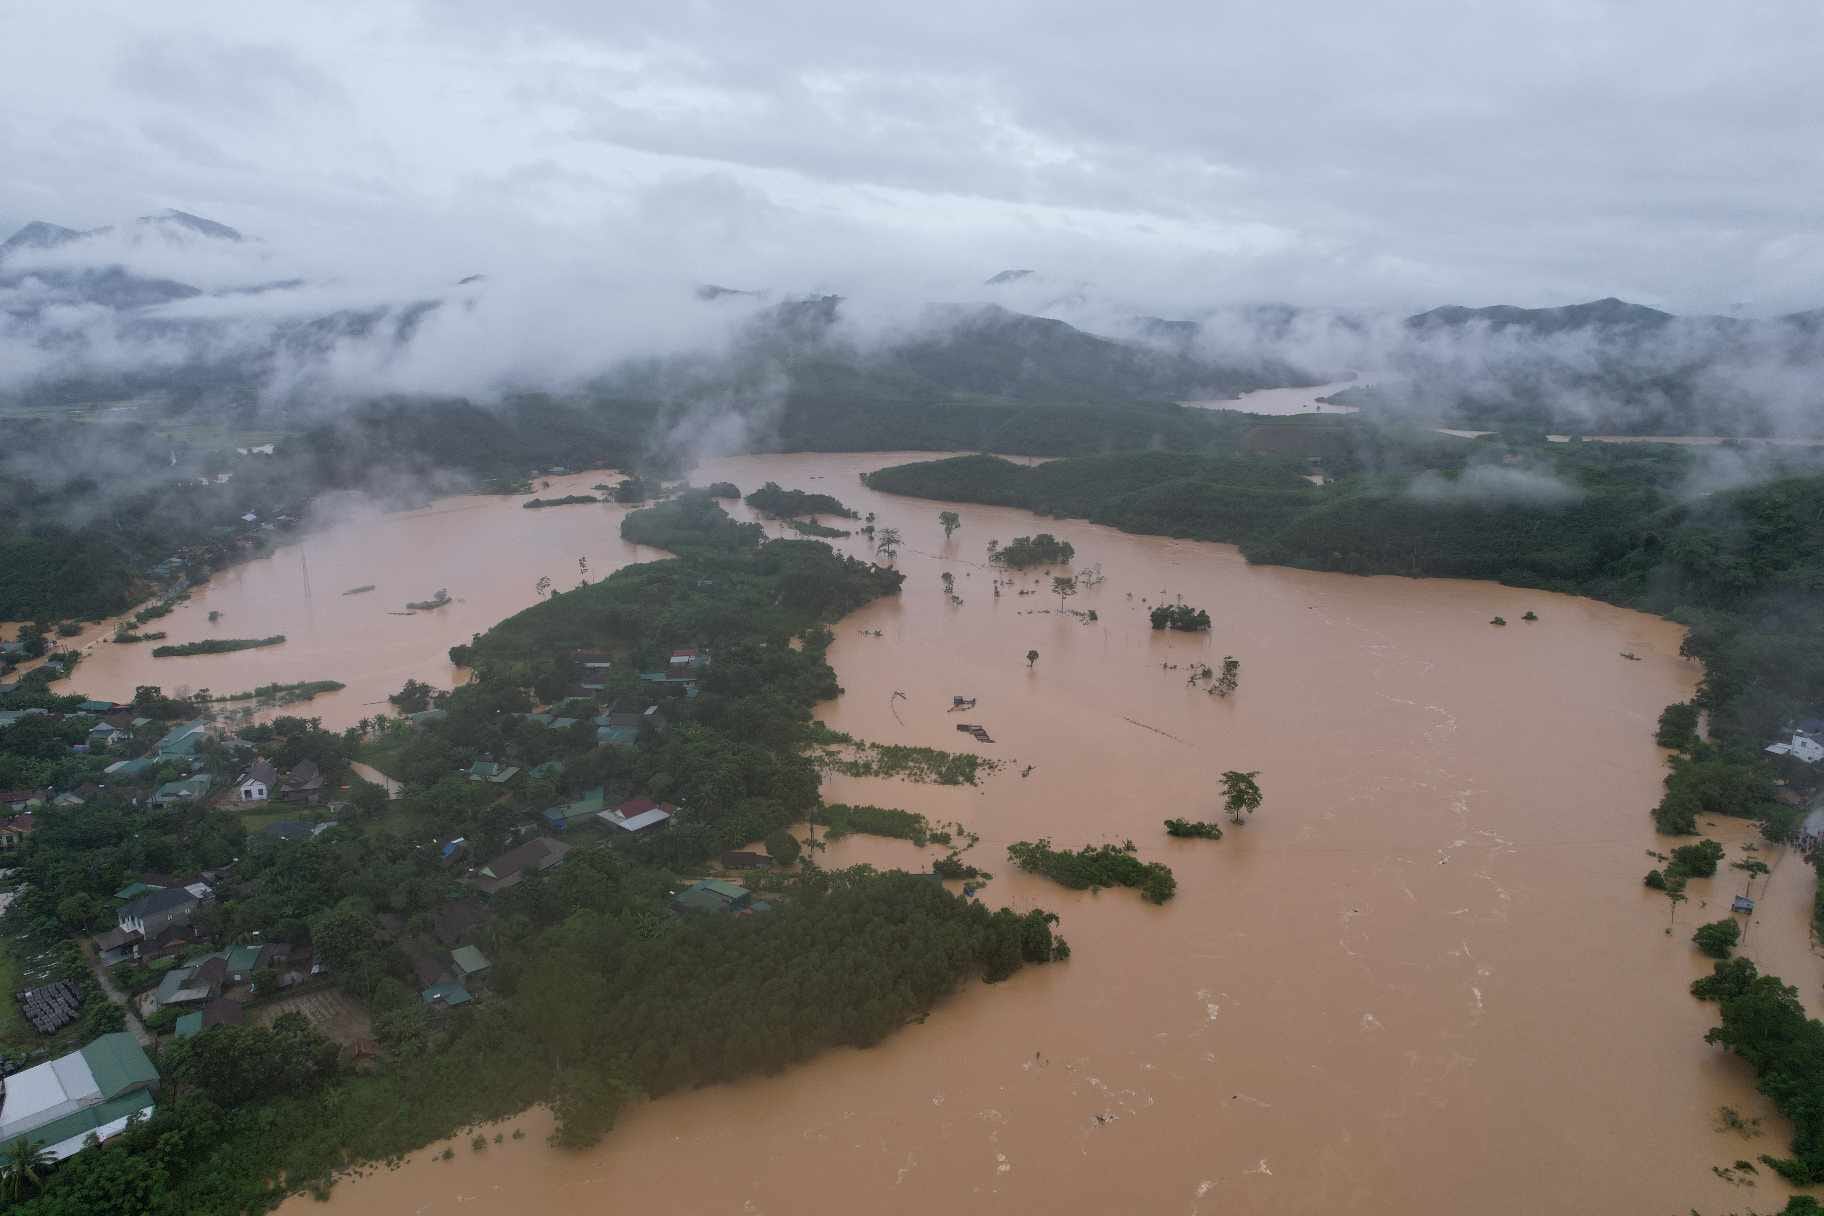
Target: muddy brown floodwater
[(1424, 979), (485, 550)]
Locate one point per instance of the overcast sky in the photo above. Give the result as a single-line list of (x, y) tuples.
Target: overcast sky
[(1319, 151)]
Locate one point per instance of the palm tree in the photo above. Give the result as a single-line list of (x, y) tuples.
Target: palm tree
[(23, 1168)]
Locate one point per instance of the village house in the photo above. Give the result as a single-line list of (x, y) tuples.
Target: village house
[(510, 868), (302, 784), (105, 735), (188, 790), (192, 983), (219, 1012), (586, 804), (712, 895), (638, 815), (91, 1093), (181, 742), (258, 782), (471, 967), (148, 915), (592, 667), (14, 832), (1805, 745), (487, 770)]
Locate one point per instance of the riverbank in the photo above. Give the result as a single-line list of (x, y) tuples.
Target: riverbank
[(1393, 990)]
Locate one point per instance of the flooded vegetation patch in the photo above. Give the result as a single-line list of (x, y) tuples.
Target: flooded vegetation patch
[(1193, 829), (1025, 551), (215, 646), (284, 694), (568, 500), (1095, 866), (842, 819), (853, 757), (813, 528)]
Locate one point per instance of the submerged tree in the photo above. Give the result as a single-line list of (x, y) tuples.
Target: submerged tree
[(950, 521), (1032, 656), (886, 543), (1240, 793), (1230, 679), (1063, 587)]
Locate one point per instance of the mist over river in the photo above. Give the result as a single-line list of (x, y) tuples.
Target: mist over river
[(1424, 978)]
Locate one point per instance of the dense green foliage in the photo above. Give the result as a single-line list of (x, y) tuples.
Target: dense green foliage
[(1718, 938), (770, 499), (1765, 1023), (1181, 617), (693, 520), (842, 819), (1193, 829), (1095, 866), (1695, 860), (1677, 726), (215, 646)]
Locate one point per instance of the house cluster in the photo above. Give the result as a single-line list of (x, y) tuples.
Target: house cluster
[(114, 729), (153, 921), (1804, 742), (450, 968), (261, 782)]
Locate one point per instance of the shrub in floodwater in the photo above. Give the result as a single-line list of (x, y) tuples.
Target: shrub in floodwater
[(1192, 829), (1530, 615), (1500, 620), (1718, 938), (1655, 880)]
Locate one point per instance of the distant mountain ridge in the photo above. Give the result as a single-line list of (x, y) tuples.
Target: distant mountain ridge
[(1603, 364)]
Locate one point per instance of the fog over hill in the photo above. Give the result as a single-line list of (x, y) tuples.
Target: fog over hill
[(188, 311)]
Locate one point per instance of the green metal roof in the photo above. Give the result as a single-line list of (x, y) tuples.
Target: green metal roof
[(449, 994), (134, 890), (241, 959), (85, 1120), (189, 1024), (119, 1064), (727, 890), (469, 960)]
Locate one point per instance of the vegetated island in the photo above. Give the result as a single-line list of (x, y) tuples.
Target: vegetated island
[(215, 646), (1181, 617), (771, 499), (284, 694), (1024, 551), (1193, 829), (568, 500), (436, 601), (1095, 866), (722, 489), (813, 528)]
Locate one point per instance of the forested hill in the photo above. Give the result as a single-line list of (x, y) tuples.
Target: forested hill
[(1742, 567)]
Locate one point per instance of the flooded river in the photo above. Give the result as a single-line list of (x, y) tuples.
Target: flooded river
[(1424, 979)]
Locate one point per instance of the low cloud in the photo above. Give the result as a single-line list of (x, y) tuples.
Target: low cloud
[(1494, 485)]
